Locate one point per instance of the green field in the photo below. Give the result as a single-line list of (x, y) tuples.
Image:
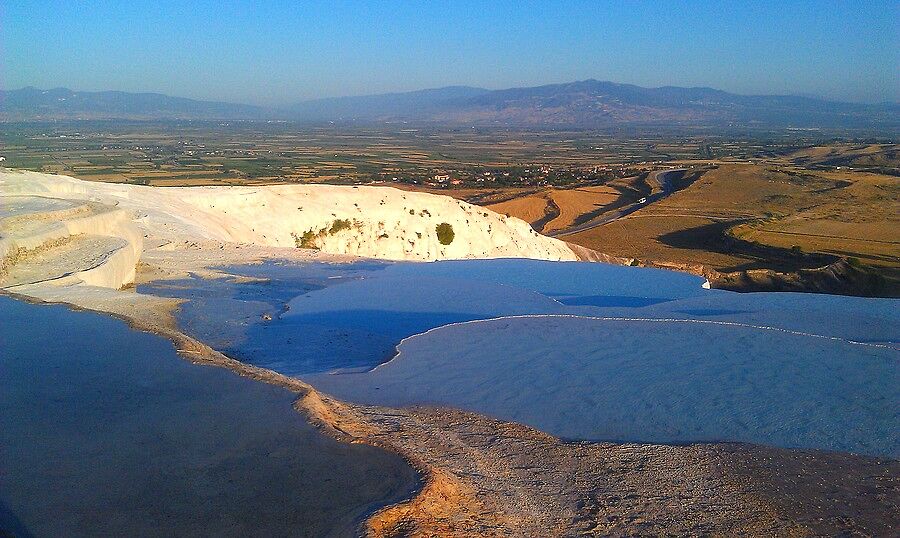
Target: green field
[(254, 152)]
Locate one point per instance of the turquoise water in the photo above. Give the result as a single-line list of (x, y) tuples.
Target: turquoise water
[(666, 360), (105, 431)]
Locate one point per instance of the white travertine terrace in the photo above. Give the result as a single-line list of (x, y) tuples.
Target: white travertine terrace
[(99, 228)]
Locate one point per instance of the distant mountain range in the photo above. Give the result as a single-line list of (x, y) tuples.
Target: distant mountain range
[(30, 104), (584, 104)]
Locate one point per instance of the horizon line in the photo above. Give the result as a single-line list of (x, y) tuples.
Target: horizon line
[(403, 92)]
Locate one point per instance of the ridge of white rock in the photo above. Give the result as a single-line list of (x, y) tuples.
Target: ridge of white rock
[(38, 210), (102, 242)]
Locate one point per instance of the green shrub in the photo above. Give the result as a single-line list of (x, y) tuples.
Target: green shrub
[(307, 240), (445, 233), (310, 238), (338, 225)]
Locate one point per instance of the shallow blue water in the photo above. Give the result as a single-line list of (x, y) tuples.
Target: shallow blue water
[(349, 319), (106, 431), (640, 381)]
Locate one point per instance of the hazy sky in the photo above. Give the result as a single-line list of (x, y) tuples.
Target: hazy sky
[(281, 52)]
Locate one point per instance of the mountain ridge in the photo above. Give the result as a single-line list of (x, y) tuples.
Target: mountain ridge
[(581, 104)]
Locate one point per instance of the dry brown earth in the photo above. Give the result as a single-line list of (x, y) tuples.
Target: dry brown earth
[(744, 217)]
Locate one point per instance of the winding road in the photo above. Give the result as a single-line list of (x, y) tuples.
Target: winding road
[(664, 178)]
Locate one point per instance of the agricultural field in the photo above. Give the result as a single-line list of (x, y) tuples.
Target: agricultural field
[(208, 153)]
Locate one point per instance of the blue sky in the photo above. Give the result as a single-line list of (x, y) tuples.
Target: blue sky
[(282, 52)]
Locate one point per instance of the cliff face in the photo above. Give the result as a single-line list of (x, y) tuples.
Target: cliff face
[(376, 222), (62, 242)]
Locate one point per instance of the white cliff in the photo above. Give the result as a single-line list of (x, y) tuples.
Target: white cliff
[(38, 211)]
